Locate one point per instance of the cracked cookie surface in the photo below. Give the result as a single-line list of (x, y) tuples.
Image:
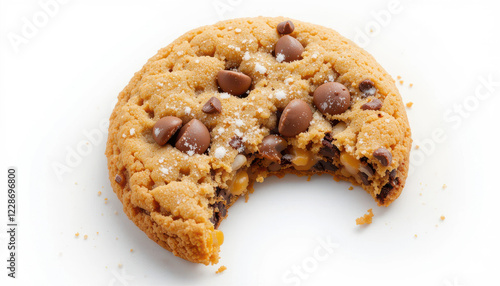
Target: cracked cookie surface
[(179, 195)]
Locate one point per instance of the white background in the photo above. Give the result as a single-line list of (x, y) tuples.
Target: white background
[(61, 82)]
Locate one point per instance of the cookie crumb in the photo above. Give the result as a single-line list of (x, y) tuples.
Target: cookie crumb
[(99, 193), (443, 217), (85, 237), (131, 250), (77, 234), (415, 236), (105, 200), (409, 104), (221, 269), (365, 219), (417, 147), (351, 188), (401, 82), (411, 85), (120, 265), (444, 186), (399, 77)]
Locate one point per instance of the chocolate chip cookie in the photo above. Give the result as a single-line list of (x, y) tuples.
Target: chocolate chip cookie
[(227, 105)]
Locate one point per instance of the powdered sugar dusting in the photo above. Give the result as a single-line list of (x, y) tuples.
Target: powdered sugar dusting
[(132, 131), (225, 95), (260, 68), (280, 95), (220, 152), (246, 56), (280, 57)]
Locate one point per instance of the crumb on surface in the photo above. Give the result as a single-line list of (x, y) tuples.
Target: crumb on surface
[(443, 217), (99, 193), (411, 84), (351, 188), (415, 236), (399, 77), (417, 147), (366, 218), (77, 234), (409, 104), (445, 186), (221, 269), (401, 82), (85, 237), (131, 250), (120, 265)]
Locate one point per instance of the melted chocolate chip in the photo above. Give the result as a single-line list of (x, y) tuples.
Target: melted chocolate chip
[(285, 27), (223, 199), (271, 147), (295, 119), (329, 150), (375, 104), (288, 49), (364, 178), (384, 193), (213, 105), (383, 155), (236, 142), (323, 165), (165, 128), (332, 98), (235, 83), (367, 87), (193, 137), (274, 167)]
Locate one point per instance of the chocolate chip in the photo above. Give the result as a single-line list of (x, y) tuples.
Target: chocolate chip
[(236, 142), (213, 105), (165, 128), (367, 87), (223, 199), (288, 49), (384, 193), (323, 165), (286, 160), (295, 119), (285, 27), (332, 98), (274, 167), (375, 104), (383, 155), (119, 180), (366, 168), (392, 174), (364, 178), (193, 138), (329, 150), (271, 147), (393, 180), (235, 83)]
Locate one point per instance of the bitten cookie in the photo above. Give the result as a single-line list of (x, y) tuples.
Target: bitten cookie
[(227, 105)]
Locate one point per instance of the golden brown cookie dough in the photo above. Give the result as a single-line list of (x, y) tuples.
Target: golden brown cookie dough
[(178, 192)]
